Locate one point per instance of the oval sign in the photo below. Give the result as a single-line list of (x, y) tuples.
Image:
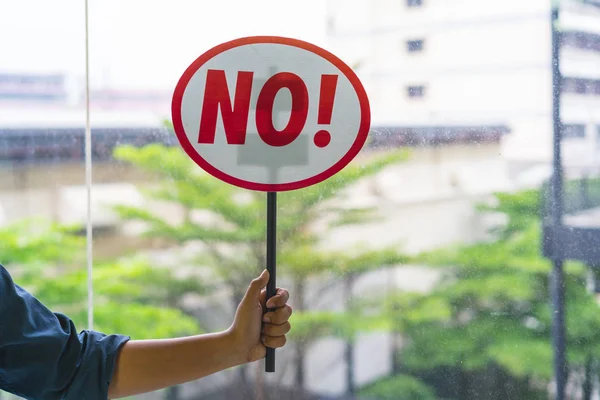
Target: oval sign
[(270, 113)]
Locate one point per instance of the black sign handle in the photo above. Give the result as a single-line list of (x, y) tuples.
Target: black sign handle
[(271, 264)]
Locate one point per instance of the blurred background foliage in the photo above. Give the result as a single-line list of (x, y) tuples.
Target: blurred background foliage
[(482, 332)]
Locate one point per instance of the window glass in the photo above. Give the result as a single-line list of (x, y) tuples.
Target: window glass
[(41, 153), (420, 271)]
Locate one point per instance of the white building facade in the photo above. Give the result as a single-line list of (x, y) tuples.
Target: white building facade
[(478, 63)]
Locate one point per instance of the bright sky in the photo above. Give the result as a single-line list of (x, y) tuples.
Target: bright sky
[(141, 43)]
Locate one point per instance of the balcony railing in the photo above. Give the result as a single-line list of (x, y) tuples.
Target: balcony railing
[(579, 236)]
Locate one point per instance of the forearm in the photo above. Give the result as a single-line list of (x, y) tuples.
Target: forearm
[(148, 365)]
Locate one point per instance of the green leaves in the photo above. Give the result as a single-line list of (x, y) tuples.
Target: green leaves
[(491, 306), (302, 261), (519, 252), (471, 346), (235, 242), (140, 321), (496, 290), (159, 160), (363, 260), (35, 242), (408, 309), (354, 216), (131, 297), (243, 214), (523, 356), (312, 325), (399, 387), (522, 209)]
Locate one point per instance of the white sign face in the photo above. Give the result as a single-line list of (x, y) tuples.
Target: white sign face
[(270, 113)]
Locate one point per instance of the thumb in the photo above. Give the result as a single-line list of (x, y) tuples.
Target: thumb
[(257, 285)]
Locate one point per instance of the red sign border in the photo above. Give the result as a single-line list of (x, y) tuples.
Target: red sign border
[(361, 137)]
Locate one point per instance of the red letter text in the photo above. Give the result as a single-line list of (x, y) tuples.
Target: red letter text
[(216, 95), (264, 109)]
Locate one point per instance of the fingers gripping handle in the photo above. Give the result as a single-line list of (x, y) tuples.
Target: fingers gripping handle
[(270, 357), (271, 264)]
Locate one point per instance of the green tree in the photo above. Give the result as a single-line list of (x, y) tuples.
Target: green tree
[(230, 224), (130, 294), (400, 387), (29, 246), (484, 331), (131, 297), (311, 325)]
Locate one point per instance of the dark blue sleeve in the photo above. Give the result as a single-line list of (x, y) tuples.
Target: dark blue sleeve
[(42, 356)]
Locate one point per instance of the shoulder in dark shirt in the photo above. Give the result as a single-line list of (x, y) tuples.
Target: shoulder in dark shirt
[(43, 357)]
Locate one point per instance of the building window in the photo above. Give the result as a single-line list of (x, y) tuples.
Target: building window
[(414, 3), (581, 40), (573, 131), (416, 91), (581, 86), (414, 46)]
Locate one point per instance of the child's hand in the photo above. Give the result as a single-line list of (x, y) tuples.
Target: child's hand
[(251, 330)]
